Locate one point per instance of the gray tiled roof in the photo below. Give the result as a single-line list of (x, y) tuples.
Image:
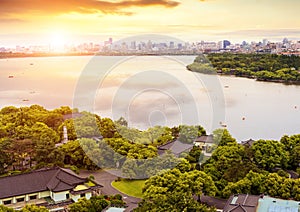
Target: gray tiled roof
[(176, 147), (205, 139), (213, 201), (54, 179), (248, 142), (242, 202)]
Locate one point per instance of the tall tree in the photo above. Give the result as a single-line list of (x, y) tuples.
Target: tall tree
[(174, 190), (269, 154)]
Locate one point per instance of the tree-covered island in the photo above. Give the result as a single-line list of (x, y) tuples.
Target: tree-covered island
[(262, 67)]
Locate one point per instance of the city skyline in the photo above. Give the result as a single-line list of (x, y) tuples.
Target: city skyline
[(159, 45), (34, 22)]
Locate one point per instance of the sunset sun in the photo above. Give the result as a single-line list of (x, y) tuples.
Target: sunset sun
[(58, 40)]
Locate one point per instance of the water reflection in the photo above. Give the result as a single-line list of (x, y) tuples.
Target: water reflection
[(253, 109)]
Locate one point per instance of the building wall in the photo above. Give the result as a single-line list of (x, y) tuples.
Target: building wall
[(88, 195), (75, 198), (19, 197), (44, 194), (26, 197), (2, 200), (56, 196), (59, 196)]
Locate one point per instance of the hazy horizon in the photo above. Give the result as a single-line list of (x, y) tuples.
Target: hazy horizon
[(34, 22)]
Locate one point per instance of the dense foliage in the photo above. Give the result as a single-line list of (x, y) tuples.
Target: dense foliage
[(263, 67), (30, 137), (97, 203), (256, 169), (27, 208), (233, 168), (174, 191)]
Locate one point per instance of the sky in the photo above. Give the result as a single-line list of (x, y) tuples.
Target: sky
[(40, 22)]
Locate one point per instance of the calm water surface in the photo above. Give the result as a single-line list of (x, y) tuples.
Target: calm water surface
[(154, 90)]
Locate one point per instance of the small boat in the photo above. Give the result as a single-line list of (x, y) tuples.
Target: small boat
[(223, 124), (10, 76), (226, 86), (25, 100), (31, 64)]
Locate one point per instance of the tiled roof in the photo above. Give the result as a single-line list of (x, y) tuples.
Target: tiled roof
[(248, 142), (213, 201), (205, 139), (242, 202), (176, 147), (54, 179)]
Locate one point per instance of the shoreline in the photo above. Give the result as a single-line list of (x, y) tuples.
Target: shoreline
[(26, 55), (252, 77)]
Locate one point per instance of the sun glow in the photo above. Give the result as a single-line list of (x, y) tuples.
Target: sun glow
[(58, 40)]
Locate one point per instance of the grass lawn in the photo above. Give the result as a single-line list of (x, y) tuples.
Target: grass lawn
[(130, 187)]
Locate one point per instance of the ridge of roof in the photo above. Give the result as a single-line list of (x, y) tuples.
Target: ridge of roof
[(169, 142), (70, 172), (59, 179), (238, 206), (30, 172), (52, 180)]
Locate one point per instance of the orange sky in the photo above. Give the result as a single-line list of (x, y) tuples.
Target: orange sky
[(37, 21)]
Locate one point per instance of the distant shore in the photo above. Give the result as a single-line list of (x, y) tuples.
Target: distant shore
[(20, 55), (23, 55)]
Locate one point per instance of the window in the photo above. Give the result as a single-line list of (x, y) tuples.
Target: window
[(7, 202), (20, 199), (82, 195), (67, 196), (33, 197)]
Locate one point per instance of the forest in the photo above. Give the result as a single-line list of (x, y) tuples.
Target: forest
[(262, 67), (30, 138)]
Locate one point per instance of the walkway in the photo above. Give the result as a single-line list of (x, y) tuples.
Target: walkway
[(105, 179)]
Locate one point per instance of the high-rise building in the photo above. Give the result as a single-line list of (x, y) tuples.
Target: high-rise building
[(179, 46), (133, 45), (285, 40), (149, 45), (265, 42), (226, 43), (172, 45)]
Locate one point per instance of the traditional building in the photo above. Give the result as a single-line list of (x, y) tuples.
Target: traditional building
[(49, 187), (206, 143), (204, 140), (242, 202), (248, 143), (259, 203), (175, 147)]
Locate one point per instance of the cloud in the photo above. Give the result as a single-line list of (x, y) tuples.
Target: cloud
[(11, 20), (47, 7)]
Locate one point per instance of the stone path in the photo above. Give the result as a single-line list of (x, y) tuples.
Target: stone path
[(105, 179)]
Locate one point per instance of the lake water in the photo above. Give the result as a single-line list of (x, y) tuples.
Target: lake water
[(153, 90)]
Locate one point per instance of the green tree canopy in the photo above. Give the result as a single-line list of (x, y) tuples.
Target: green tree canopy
[(269, 154)]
